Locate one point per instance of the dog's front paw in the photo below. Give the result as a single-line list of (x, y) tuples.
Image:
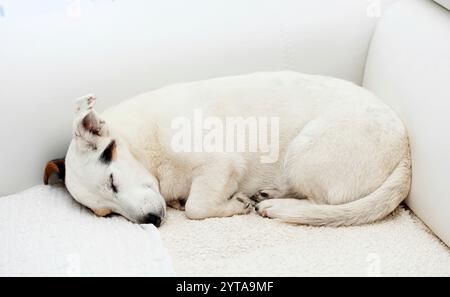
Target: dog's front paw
[(242, 203), (177, 204)]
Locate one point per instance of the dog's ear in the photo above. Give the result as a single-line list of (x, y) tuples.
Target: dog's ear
[(92, 124), (55, 167), (88, 126)]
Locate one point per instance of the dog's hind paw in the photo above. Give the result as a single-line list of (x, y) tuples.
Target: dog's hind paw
[(278, 208), (264, 194)]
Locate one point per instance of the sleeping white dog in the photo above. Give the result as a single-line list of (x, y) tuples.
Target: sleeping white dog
[(339, 156)]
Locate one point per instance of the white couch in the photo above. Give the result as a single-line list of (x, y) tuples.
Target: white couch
[(408, 65), (52, 53)]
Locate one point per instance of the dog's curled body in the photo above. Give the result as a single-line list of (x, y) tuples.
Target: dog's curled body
[(343, 155)]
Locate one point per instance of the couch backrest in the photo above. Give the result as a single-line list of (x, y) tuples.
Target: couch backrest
[(53, 52), (409, 67)]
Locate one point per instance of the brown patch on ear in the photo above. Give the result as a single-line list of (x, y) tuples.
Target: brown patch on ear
[(91, 124), (101, 212), (55, 166)]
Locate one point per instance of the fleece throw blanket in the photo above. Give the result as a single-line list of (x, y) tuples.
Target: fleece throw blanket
[(399, 245), (44, 232)]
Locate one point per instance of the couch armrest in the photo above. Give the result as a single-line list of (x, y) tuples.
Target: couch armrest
[(409, 67)]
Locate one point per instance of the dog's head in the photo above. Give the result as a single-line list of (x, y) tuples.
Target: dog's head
[(101, 173)]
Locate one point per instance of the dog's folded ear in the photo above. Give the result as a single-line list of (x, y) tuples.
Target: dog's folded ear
[(55, 167), (92, 124), (88, 126)]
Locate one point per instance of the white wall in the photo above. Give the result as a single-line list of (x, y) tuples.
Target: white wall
[(51, 53)]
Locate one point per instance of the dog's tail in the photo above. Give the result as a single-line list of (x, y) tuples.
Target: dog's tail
[(370, 208)]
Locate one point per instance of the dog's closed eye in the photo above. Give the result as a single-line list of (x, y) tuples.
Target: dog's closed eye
[(112, 184)]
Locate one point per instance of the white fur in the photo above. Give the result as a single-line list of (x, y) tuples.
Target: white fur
[(341, 148)]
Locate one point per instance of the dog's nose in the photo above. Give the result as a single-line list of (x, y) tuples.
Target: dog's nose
[(152, 219)]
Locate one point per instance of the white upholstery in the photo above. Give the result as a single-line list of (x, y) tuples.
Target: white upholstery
[(409, 67), (117, 49), (444, 3), (46, 233)]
